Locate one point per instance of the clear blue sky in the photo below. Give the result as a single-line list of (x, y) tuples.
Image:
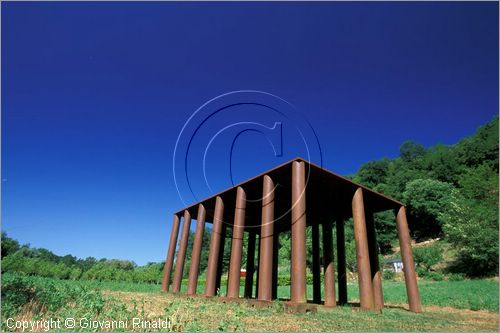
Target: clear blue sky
[(95, 94)]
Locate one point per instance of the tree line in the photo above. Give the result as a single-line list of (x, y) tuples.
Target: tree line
[(42, 262)]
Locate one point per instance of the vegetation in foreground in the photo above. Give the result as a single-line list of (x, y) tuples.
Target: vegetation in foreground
[(32, 298), (467, 294)]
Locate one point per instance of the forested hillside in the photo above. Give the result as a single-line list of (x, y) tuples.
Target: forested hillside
[(451, 192)]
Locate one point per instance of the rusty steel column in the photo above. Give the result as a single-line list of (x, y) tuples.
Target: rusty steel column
[(220, 261), (250, 268), (266, 241), (233, 282), (181, 255), (213, 255), (341, 262), (378, 295), (407, 258), (298, 291), (195, 254), (316, 269), (329, 270), (167, 269), (362, 255)]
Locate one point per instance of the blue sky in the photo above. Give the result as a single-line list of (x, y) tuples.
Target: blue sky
[(94, 96)]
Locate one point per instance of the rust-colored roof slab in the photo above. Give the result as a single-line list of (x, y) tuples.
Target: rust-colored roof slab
[(328, 196)]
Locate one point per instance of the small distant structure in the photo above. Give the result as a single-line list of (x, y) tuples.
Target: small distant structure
[(395, 265)]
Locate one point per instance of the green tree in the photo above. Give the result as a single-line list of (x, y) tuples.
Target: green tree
[(385, 226), (75, 273), (441, 164), (480, 148), (411, 151), (426, 199), (472, 228), (428, 256), (373, 173), (480, 184), (471, 223), (9, 245)]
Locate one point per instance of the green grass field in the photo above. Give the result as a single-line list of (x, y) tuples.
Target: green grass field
[(469, 305), (467, 294)]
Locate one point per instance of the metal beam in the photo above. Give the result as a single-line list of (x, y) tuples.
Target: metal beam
[(298, 291), (195, 254), (362, 254), (329, 269), (266, 241), (167, 269), (233, 283), (408, 263), (181, 255), (378, 295), (210, 286)]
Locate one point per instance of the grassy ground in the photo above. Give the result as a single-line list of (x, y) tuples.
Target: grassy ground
[(467, 294), (199, 314), (448, 306)]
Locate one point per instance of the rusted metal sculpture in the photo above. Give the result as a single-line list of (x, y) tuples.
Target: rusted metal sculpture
[(195, 255), (167, 270), (298, 288), (213, 259), (233, 282), (181, 255), (295, 195)]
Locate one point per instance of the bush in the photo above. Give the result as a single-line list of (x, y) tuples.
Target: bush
[(426, 199), (424, 274), (435, 276), (284, 280), (388, 274), (16, 292), (43, 294), (428, 256), (421, 272), (53, 298), (472, 228), (456, 277)]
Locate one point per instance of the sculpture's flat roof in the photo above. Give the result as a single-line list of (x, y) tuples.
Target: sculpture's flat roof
[(328, 195)]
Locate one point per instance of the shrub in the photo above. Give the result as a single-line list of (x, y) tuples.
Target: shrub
[(54, 298), (456, 277), (16, 292), (428, 256), (435, 276), (388, 274), (471, 226), (422, 272), (284, 280)]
